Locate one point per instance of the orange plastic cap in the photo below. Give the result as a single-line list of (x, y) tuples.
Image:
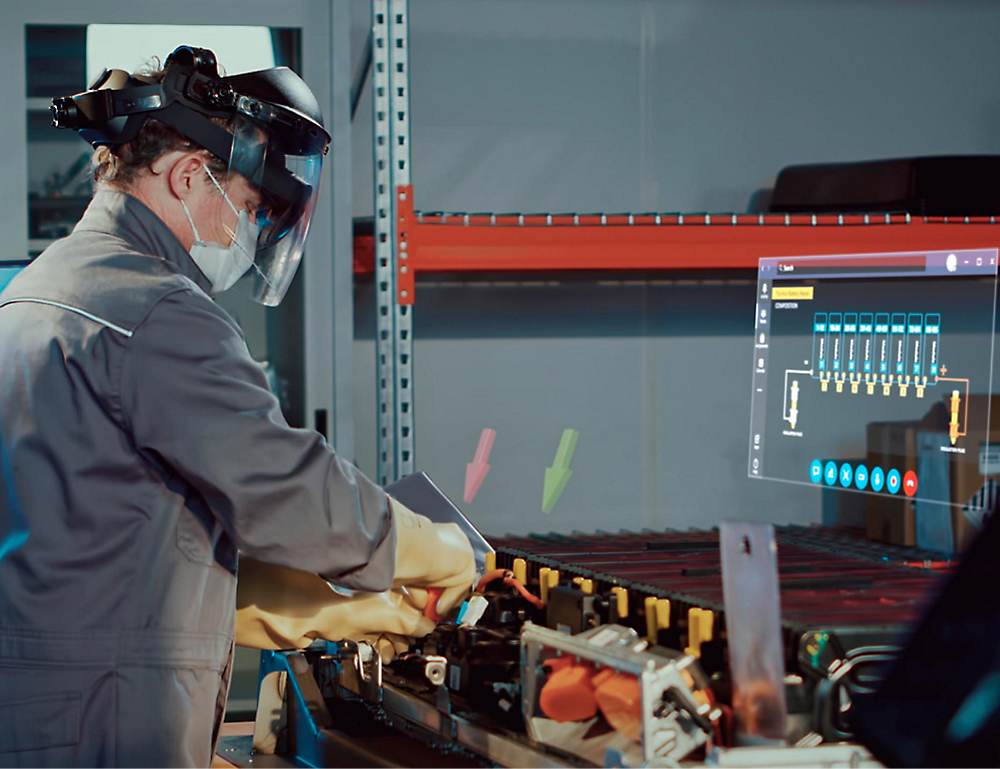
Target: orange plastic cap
[(568, 695), (619, 696)]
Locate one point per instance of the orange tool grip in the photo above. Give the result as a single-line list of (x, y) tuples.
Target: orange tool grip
[(430, 608)]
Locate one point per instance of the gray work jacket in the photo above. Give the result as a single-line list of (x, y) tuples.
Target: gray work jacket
[(140, 449)]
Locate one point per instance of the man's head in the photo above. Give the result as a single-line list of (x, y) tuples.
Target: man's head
[(170, 174), (200, 150)]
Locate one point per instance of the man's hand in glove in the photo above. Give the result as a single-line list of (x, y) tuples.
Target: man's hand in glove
[(432, 555), (279, 608)]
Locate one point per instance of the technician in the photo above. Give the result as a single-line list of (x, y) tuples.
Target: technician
[(140, 446)]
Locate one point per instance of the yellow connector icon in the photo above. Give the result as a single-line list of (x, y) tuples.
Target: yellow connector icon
[(953, 427)]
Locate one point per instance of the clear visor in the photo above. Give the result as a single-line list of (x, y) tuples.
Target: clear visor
[(280, 155)]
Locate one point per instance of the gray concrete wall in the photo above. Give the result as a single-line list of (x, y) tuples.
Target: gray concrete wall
[(689, 105), (656, 377), (638, 105)]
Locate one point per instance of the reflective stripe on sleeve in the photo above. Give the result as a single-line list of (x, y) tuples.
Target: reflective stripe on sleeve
[(77, 310)]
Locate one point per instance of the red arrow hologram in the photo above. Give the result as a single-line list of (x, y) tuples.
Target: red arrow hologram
[(477, 469)]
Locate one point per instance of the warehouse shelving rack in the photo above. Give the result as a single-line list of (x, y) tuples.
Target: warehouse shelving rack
[(449, 242), (407, 243), (391, 144)]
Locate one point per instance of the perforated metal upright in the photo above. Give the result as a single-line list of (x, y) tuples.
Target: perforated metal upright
[(391, 143)]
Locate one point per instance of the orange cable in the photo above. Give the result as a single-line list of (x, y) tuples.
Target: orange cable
[(534, 600), (490, 576), (508, 579)]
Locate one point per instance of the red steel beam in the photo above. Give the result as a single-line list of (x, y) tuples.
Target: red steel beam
[(512, 242)]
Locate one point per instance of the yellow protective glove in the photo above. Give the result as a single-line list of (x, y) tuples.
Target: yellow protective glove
[(432, 555), (280, 608)]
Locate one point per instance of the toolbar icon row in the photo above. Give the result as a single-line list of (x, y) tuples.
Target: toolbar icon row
[(847, 475)]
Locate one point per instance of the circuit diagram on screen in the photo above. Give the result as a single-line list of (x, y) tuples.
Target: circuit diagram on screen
[(891, 352)]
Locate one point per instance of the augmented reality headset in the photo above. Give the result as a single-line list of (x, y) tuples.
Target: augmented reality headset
[(115, 107)]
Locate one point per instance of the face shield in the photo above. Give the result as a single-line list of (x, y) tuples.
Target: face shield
[(280, 155), (276, 146)]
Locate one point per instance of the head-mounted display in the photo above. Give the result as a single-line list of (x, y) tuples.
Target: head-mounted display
[(273, 136)]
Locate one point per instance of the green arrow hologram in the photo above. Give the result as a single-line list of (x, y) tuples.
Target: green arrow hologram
[(557, 476)]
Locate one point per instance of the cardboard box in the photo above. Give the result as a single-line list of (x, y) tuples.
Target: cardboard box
[(966, 482), (897, 519), (966, 477)]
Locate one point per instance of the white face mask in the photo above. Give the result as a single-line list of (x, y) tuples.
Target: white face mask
[(224, 265)]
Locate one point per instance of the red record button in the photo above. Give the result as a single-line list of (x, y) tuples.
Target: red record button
[(910, 483)]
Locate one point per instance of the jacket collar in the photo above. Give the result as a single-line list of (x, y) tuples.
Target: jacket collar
[(119, 214)]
